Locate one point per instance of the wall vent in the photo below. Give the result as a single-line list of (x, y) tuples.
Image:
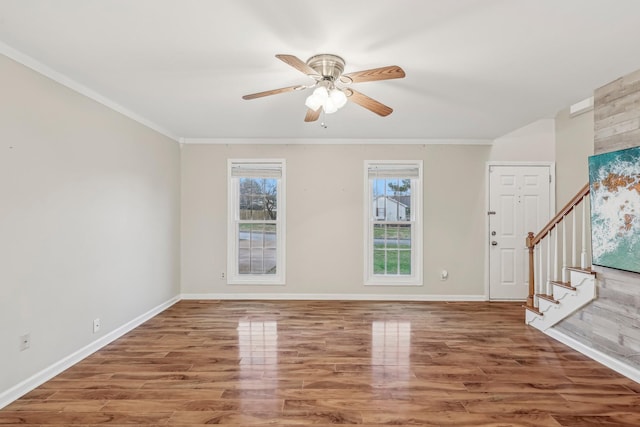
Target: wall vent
[(581, 107)]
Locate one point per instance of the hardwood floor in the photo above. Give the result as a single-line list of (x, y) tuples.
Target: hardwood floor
[(288, 363)]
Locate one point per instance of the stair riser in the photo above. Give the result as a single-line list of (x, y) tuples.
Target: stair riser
[(533, 319), (585, 283), (561, 293)]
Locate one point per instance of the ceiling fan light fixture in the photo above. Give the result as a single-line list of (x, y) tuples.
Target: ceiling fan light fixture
[(330, 100), (313, 103), (338, 97), (317, 98), (329, 106), (321, 93)]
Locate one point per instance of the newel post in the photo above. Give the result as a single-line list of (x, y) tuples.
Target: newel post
[(530, 245)]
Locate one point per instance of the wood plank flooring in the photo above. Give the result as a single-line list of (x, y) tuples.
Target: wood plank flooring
[(295, 363)]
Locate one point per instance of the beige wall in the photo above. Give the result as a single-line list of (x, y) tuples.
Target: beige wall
[(533, 142), (89, 221), (325, 219), (574, 144)]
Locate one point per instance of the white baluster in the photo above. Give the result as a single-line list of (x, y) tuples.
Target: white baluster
[(548, 292), (564, 249), (556, 255), (583, 255), (574, 245), (540, 275)]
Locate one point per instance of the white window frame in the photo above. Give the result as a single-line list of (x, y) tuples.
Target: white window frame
[(233, 218), (415, 278)]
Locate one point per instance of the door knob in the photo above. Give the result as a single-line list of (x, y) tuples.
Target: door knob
[(494, 243)]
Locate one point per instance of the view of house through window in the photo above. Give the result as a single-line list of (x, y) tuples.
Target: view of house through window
[(391, 229), (257, 226), (255, 232), (393, 219)]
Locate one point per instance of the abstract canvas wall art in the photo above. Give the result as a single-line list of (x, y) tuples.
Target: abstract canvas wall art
[(614, 180)]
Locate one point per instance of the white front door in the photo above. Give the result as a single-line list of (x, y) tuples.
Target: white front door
[(519, 202)]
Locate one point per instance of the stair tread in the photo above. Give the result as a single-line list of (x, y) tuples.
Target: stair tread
[(548, 298), (587, 270), (533, 309), (566, 285)]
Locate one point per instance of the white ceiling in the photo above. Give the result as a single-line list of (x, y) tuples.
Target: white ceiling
[(476, 69)]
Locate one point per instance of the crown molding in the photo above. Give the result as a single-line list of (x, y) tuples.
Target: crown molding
[(68, 82)]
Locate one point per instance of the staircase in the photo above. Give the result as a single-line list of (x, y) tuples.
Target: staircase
[(556, 290)]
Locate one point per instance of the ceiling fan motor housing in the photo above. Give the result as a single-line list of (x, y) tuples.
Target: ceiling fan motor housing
[(329, 66)]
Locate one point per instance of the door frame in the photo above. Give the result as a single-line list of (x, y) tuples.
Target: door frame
[(552, 207)]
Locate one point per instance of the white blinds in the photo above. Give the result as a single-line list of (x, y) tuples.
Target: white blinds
[(393, 170), (256, 170)]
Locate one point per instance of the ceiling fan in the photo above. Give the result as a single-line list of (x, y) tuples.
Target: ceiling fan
[(332, 87)]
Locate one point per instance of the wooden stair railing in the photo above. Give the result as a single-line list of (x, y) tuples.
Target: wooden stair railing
[(535, 240)]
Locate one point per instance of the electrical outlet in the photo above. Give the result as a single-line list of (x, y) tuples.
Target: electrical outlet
[(25, 341), (96, 325), (222, 276)]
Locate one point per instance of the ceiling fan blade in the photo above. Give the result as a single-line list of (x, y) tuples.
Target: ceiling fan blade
[(312, 115), (298, 64), (383, 73), (273, 92), (369, 103)]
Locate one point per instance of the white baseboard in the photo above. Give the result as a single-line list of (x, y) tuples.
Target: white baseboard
[(608, 361), (333, 297), (56, 368)]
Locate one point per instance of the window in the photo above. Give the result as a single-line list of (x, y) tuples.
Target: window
[(393, 221), (256, 222)]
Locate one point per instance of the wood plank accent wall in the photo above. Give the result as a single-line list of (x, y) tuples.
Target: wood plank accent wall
[(611, 323)]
